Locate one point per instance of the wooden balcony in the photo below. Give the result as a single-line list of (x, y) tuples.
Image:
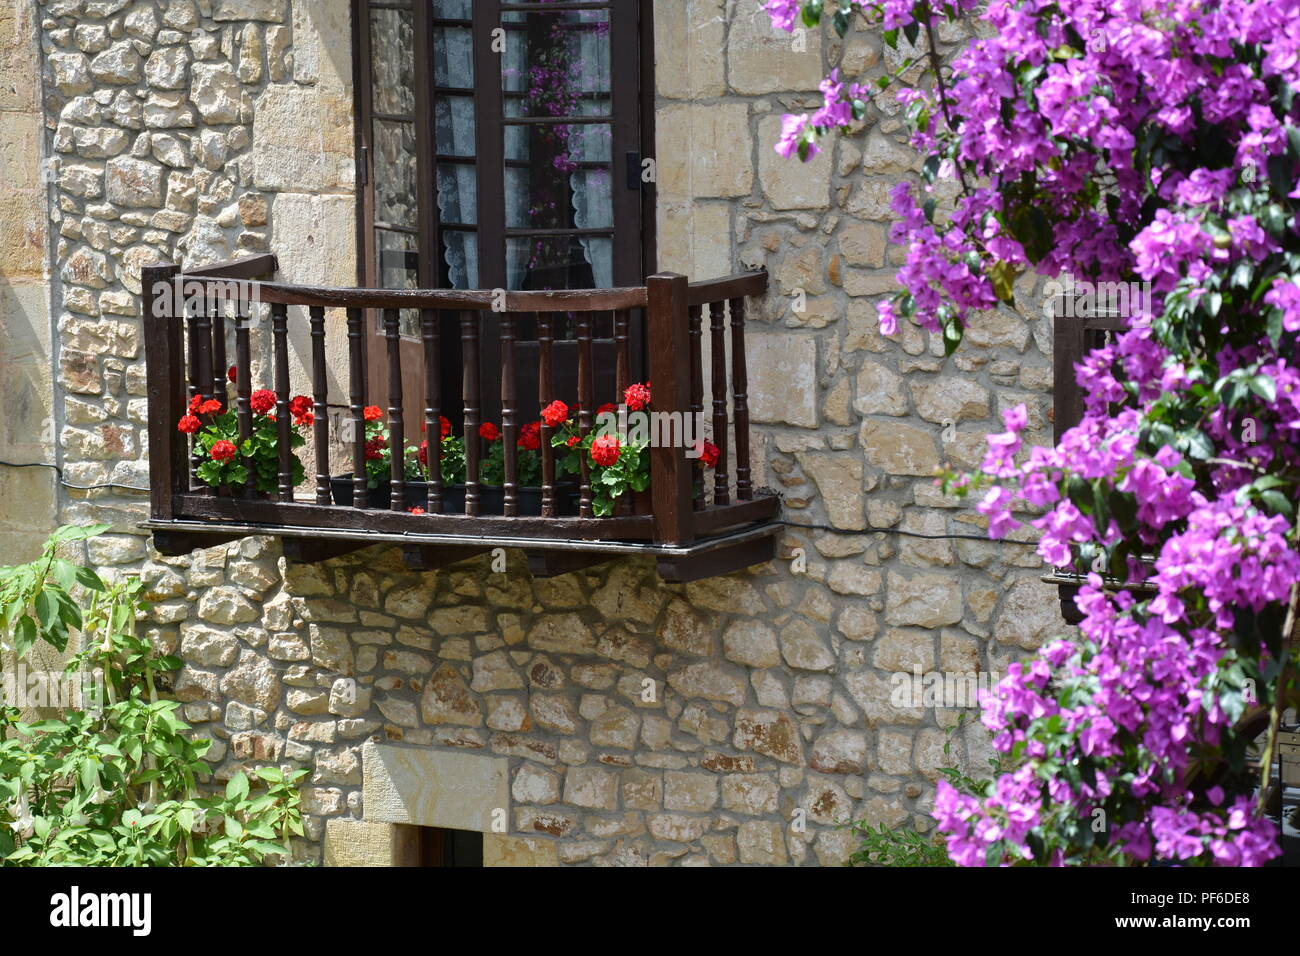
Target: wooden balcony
[(695, 523)]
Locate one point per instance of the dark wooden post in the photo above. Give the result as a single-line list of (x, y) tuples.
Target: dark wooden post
[(668, 325), (244, 388), (509, 426), (320, 404), (280, 338), (431, 332), (739, 401), (1069, 345), (697, 401), (357, 374), (718, 344), (164, 355), (396, 424), (219, 369), (586, 398), (469, 323), (545, 387)]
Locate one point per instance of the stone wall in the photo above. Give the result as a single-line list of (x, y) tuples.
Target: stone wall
[(734, 720)]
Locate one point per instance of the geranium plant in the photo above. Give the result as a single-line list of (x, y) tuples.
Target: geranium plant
[(1151, 142), (227, 457), (618, 458), (379, 452)]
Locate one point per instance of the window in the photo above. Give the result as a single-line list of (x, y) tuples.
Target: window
[(437, 846), (500, 146)]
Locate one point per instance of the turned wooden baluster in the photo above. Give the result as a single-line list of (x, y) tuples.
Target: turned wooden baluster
[(622, 379), (202, 370), (469, 322), (718, 328), (357, 399), (192, 390), (244, 390), (545, 387), (623, 352), (696, 335), (320, 404), (509, 425), (280, 337), (219, 366), (396, 426), (740, 401), (431, 332), (586, 396)]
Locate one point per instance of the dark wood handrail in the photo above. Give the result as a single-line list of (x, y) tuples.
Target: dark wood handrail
[(248, 267), (472, 300), (728, 287)]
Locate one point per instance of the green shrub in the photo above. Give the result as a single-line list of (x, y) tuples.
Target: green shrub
[(115, 781)]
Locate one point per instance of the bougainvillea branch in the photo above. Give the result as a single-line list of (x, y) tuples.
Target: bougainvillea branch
[(1156, 143)]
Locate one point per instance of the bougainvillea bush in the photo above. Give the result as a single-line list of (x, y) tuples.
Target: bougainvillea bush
[(1139, 141)]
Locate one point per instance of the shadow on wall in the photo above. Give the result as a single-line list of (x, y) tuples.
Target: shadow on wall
[(27, 495)]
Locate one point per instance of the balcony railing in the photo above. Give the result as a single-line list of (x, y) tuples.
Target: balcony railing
[(694, 527)]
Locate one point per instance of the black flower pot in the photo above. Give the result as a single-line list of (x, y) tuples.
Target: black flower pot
[(491, 497), (379, 497)]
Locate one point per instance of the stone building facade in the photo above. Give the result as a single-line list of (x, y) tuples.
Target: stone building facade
[(477, 698)]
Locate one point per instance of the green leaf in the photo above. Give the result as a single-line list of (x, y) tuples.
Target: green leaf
[(1003, 277), (952, 333), (237, 788)]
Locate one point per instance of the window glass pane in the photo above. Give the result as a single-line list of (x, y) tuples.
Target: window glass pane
[(567, 181), (394, 164), (392, 58), (460, 255), (556, 62), (398, 268), (453, 9), (559, 262), (453, 57), (457, 193), (454, 125)]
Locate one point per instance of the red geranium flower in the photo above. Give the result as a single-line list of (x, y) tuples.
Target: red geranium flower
[(446, 425), (189, 425), (489, 431), (604, 450), (607, 407), (232, 373), (262, 401), (222, 451), (555, 414), (708, 453), (530, 436), (573, 440), (415, 510), (300, 408), (210, 407), (373, 413), (375, 448), (424, 453), (637, 397)]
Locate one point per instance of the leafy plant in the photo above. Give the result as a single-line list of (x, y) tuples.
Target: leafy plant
[(228, 457), (906, 846), (114, 781)]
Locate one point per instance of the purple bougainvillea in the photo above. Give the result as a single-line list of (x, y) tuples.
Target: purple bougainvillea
[(1154, 142)]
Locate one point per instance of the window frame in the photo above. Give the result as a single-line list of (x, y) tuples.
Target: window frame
[(628, 86)]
